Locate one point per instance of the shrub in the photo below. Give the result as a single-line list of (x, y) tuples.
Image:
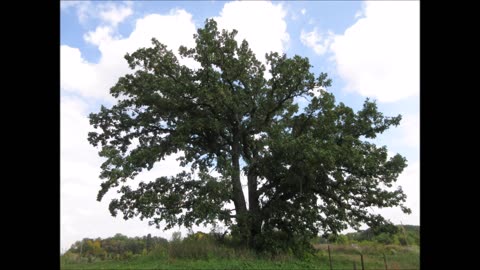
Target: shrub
[(70, 257), (160, 251), (385, 238), (127, 255), (279, 243)]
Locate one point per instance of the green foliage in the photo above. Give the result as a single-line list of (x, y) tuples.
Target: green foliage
[(389, 234), (338, 239), (159, 252), (218, 258), (117, 247), (308, 171), (200, 246), (385, 238), (70, 257)]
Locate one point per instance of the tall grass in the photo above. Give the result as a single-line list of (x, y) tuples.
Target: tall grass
[(204, 248), (206, 252)]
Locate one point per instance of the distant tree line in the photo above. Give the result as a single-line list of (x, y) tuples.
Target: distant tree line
[(404, 235), (116, 247), (196, 245)]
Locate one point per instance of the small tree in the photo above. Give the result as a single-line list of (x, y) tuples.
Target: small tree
[(176, 236), (149, 242)]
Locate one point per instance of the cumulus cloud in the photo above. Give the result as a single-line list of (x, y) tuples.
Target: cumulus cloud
[(108, 13), (409, 180), (102, 34), (378, 56), (404, 138), (316, 41), (95, 79), (264, 33), (410, 126), (83, 83), (73, 133), (79, 76), (68, 4), (81, 215), (83, 9), (114, 14), (265, 29), (360, 13)]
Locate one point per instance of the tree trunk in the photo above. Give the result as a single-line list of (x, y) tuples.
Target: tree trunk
[(238, 196), (254, 209)]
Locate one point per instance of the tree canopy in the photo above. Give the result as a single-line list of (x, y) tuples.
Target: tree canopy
[(308, 170)]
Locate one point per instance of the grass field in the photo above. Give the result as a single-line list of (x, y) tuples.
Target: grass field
[(343, 257)]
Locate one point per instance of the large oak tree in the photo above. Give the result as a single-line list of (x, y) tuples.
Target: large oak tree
[(308, 171)]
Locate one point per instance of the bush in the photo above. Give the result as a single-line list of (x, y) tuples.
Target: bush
[(338, 239), (195, 246), (207, 246), (70, 257), (159, 252), (402, 241), (127, 255), (385, 238), (342, 240), (281, 244)]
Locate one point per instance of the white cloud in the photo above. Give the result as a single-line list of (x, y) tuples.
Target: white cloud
[(265, 29), (361, 12), (95, 79), (409, 180), (378, 56), (317, 91), (318, 42), (78, 157), (405, 138), (68, 4), (79, 76), (303, 11), (102, 34), (114, 14), (84, 9), (358, 14), (410, 126), (81, 215), (109, 13), (174, 29)]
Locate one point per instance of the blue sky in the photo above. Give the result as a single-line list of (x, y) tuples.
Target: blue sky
[(369, 49)]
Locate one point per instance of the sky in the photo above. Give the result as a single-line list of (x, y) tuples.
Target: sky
[(369, 49)]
